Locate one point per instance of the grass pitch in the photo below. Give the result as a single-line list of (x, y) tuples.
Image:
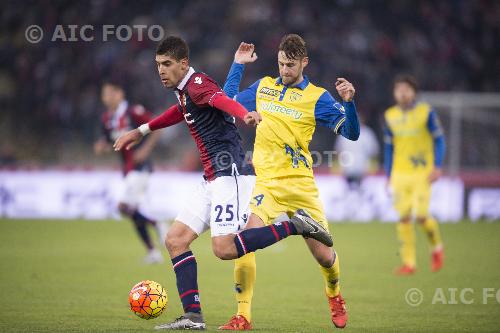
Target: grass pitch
[(74, 276)]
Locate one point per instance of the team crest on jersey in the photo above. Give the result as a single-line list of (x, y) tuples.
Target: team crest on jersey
[(418, 160), (296, 156), (294, 97)]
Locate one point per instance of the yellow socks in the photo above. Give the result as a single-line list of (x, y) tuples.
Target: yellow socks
[(244, 277), (331, 276), (406, 235), (431, 228)]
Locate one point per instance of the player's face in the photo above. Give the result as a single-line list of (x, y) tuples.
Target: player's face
[(171, 71), (291, 69), (111, 96), (404, 94)]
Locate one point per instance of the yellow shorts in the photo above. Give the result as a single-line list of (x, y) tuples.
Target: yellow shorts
[(411, 194), (272, 198)]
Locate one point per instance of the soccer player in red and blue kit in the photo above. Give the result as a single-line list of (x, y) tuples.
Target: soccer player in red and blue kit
[(120, 117), (222, 200)]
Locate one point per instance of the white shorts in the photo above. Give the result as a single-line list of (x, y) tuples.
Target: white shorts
[(221, 205), (135, 185)]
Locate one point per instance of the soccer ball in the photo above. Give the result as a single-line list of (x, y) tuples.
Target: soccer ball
[(148, 299)]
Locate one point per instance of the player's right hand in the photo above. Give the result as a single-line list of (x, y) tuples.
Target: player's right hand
[(128, 140), (245, 54), (252, 118)]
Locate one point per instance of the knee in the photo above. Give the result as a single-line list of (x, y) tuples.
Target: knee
[(175, 242), (223, 251), (325, 259), (322, 253)]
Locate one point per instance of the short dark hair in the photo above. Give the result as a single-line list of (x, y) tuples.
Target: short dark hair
[(174, 47), (293, 46), (408, 79)]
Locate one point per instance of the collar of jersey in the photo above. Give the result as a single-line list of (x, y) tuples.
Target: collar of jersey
[(302, 85), (190, 72)]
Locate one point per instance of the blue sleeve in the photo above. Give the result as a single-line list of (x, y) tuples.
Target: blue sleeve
[(388, 151), (232, 87), (436, 130), (341, 118), (233, 80)]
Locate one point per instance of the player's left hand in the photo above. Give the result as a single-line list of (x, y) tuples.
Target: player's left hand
[(345, 89), (128, 140), (252, 118), (436, 173)]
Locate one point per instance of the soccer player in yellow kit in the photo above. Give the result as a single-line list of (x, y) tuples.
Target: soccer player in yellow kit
[(291, 107), (414, 152)]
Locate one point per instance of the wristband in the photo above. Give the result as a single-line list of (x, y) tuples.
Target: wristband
[(144, 129)]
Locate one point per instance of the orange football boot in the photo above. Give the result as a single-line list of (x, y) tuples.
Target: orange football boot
[(437, 259), (237, 323), (338, 311), (405, 270)]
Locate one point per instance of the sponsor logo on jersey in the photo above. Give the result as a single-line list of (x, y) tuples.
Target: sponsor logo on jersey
[(272, 107), (269, 92)]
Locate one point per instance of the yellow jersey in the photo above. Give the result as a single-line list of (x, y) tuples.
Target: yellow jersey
[(411, 134), (289, 118)]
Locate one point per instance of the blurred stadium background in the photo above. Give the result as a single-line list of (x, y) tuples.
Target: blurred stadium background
[(50, 113), (50, 90)]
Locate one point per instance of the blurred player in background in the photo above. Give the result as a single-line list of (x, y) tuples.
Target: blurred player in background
[(414, 148), (119, 118), (291, 108), (221, 201)]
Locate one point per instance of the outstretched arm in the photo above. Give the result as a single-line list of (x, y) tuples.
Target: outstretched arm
[(169, 117), (235, 109), (244, 54), (205, 92)]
